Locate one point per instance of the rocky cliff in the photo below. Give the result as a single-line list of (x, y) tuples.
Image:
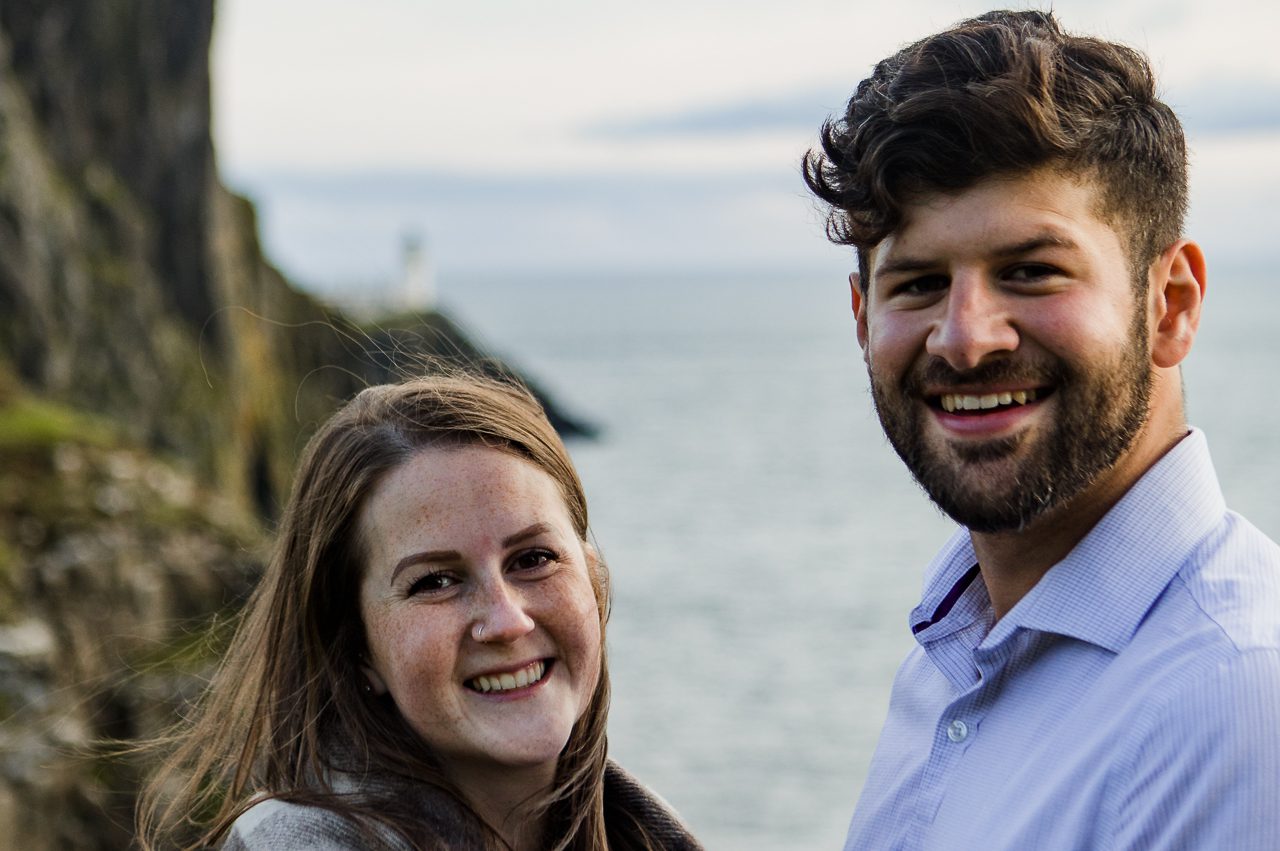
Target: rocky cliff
[(157, 379)]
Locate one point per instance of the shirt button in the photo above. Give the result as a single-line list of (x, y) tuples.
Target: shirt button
[(957, 731)]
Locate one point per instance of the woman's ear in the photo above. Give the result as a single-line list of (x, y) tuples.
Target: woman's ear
[(373, 682), (594, 563), (599, 577), (1177, 285)]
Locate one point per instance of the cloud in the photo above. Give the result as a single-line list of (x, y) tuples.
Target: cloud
[(1210, 106), (800, 111), (1228, 106), (335, 230), (439, 187)]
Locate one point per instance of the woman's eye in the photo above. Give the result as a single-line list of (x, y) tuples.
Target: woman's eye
[(431, 582), (533, 559)]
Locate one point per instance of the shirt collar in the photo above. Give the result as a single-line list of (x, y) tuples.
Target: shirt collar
[(953, 598), (1104, 587)]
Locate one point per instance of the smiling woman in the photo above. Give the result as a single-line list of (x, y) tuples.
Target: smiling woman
[(480, 614), (422, 665)]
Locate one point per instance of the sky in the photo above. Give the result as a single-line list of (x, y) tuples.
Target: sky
[(589, 138)]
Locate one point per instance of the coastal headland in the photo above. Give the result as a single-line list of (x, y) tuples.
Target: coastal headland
[(158, 377)]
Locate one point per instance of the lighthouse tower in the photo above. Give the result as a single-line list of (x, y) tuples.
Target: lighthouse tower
[(418, 274)]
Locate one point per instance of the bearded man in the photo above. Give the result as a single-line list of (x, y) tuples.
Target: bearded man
[(1098, 647)]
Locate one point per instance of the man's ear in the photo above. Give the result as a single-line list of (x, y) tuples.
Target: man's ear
[(859, 299), (1177, 280)]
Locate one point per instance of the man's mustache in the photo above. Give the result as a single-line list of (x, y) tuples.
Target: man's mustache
[(936, 372)]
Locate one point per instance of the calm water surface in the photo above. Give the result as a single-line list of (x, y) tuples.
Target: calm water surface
[(765, 543)]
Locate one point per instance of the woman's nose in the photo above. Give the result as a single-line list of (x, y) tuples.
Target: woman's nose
[(974, 324), (500, 615)]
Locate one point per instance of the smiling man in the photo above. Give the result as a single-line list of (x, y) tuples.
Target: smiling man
[(1098, 647)]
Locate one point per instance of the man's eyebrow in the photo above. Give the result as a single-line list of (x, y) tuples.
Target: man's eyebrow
[(1047, 239), (1042, 240), (443, 556), (905, 264)]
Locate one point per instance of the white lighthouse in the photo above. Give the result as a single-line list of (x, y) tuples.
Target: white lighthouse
[(418, 274)]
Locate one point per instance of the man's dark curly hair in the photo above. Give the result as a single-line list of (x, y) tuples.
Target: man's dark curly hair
[(1003, 94)]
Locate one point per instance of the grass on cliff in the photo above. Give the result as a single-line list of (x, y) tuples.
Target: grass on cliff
[(27, 423)]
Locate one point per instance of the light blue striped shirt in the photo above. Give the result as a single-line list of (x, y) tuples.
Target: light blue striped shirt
[(1131, 700)]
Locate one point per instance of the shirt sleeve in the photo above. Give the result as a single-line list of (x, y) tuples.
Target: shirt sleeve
[(1206, 771)]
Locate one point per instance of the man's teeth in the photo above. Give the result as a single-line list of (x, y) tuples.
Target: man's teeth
[(505, 682), (963, 402)]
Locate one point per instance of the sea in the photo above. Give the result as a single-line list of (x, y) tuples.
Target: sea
[(765, 543)]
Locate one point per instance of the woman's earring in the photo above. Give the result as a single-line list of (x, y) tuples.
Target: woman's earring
[(368, 687)]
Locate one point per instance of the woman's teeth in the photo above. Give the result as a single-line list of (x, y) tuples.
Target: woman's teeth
[(505, 682), (962, 402)]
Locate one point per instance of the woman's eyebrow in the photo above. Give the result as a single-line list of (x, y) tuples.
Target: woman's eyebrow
[(424, 557), (526, 533), (428, 556)]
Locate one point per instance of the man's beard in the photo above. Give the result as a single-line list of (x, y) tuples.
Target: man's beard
[(1100, 407)]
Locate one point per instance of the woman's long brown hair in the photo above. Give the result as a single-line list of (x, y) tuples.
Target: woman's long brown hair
[(290, 685)]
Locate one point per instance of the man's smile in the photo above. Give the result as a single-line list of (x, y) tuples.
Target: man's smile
[(952, 402)]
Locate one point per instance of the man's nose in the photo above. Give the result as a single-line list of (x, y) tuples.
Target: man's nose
[(974, 323), (500, 614)]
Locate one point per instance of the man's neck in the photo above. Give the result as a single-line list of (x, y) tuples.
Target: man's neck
[(1012, 563)]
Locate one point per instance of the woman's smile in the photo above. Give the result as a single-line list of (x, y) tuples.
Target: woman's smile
[(516, 683)]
